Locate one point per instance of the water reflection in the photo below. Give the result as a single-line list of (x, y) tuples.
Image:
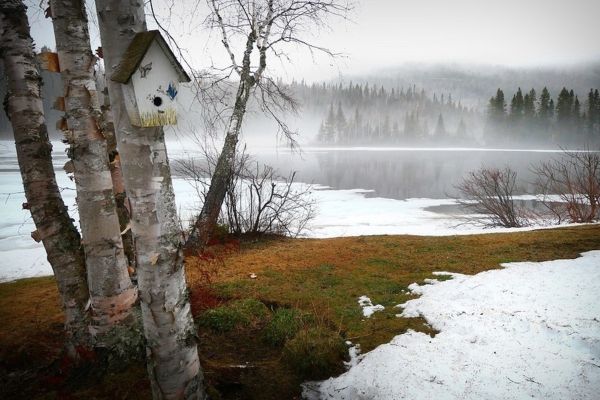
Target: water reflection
[(402, 173)]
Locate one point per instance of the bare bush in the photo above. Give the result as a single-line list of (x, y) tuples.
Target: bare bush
[(570, 186), (261, 201), (258, 199), (488, 193)]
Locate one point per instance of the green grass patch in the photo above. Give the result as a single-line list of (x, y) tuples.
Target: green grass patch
[(315, 352), (239, 313), (292, 320), (284, 325)]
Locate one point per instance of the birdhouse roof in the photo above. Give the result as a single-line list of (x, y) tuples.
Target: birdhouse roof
[(137, 50)]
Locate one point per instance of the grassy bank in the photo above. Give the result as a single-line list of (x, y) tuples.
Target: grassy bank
[(270, 313)]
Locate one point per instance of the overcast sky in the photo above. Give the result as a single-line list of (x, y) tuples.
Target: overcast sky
[(384, 33)]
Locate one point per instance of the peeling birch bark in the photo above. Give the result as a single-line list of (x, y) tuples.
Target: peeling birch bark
[(54, 227), (114, 162), (111, 291), (173, 363), (223, 173), (122, 203)]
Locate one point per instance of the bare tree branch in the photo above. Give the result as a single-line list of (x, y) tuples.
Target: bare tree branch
[(488, 194)]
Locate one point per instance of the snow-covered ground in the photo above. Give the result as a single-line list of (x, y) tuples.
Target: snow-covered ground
[(530, 330), (339, 213)]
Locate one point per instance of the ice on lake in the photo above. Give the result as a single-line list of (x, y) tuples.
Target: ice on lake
[(349, 188)]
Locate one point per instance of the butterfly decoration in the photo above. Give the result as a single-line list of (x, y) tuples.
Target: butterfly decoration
[(171, 91), (144, 69)]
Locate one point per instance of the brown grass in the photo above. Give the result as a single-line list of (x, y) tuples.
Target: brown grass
[(322, 278), (327, 276), (32, 321)]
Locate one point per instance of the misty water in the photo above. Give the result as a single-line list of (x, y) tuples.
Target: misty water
[(400, 173), (388, 176), (395, 173)]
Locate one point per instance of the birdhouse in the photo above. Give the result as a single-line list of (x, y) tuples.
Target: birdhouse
[(150, 75)]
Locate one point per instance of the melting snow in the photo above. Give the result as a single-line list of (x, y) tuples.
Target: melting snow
[(367, 306), (530, 330), (340, 213)]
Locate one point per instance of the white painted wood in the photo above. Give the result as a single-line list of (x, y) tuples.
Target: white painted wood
[(155, 84)]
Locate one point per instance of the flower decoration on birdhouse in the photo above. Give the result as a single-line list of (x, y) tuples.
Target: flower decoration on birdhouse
[(171, 91)]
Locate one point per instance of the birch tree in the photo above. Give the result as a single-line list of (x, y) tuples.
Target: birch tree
[(114, 162), (252, 32), (54, 227), (173, 363), (111, 291)]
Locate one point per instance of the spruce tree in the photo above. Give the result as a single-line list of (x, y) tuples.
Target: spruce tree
[(496, 113), (329, 127), (440, 129), (590, 112), (461, 130), (529, 105), (543, 111), (517, 106), (564, 107), (340, 124)]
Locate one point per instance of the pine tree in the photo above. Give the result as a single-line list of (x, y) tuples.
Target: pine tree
[(576, 112), (356, 125), (461, 130), (500, 105), (321, 135), (564, 107), (593, 113), (330, 126), (529, 104), (340, 125), (440, 129), (517, 106), (544, 112), (496, 113), (386, 129)]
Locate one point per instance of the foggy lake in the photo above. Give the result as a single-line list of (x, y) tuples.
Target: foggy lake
[(400, 173), (395, 173)]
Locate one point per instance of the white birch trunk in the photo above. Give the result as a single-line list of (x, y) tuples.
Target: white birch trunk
[(173, 362), (54, 226), (114, 162), (221, 178), (111, 290)]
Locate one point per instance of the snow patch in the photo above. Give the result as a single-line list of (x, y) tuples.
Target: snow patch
[(368, 308), (530, 330), (339, 213), (354, 353)]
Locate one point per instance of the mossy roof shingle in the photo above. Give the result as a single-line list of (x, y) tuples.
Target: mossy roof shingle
[(137, 50)]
